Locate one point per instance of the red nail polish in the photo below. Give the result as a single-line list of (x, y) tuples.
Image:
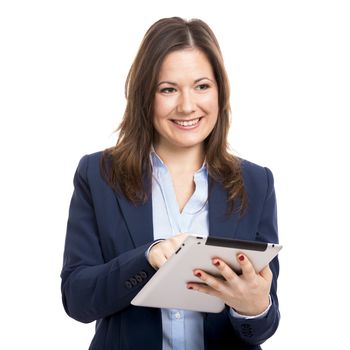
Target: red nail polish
[(189, 287), (217, 263), (241, 257), (198, 274)]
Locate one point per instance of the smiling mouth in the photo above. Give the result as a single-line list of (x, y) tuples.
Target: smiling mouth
[(185, 123)]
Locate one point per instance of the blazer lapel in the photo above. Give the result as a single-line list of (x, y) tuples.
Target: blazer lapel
[(221, 224), (138, 219)]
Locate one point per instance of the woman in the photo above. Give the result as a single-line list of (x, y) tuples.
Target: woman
[(170, 173)]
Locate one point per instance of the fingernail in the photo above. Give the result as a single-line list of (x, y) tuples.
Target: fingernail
[(217, 263), (189, 287), (241, 257), (198, 274)]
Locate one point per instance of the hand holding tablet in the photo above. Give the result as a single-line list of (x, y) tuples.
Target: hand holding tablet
[(246, 292), (168, 287)]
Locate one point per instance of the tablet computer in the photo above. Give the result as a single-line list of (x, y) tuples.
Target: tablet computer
[(167, 287)]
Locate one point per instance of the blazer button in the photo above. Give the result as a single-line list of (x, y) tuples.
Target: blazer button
[(133, 281), (138, 278), (246, 330), (143, 274), (128, 284)]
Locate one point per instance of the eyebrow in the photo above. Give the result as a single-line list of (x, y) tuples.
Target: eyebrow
[(172, 83)]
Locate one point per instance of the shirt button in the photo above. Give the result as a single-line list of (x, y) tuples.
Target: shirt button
[(177, 315)]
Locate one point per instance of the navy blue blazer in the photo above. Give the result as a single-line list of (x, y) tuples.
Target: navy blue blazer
[(105, 265)]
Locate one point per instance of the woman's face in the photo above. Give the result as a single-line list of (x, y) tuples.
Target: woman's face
[(186, 100)]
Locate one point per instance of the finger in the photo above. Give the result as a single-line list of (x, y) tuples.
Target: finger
[(158, 255), (168, 253), (203, 288), (248, 270), (211, 281), (182, 236), (163, 250), (168, 247), (179, 239), (161, 260), (176, 241), (157, 260), (266, 273), (225, 270)]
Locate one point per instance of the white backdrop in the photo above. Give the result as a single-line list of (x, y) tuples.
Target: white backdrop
[(62, 72)]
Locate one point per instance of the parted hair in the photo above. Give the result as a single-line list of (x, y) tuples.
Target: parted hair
[(126, 166)]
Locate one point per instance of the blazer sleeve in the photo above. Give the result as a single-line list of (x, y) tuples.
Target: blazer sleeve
[(255, 331), (91, 287)]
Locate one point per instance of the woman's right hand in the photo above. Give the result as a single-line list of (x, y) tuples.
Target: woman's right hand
[(163, 250)]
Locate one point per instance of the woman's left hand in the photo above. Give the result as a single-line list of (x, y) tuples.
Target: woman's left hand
[(247, 294)]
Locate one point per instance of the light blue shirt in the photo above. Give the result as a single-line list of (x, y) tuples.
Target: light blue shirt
[(182, 329)]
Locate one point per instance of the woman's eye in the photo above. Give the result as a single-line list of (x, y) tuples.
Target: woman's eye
[(167, 90), (202, 87)]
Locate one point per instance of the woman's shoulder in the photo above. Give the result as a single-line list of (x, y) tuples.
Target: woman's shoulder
[(256, 176), (90, 161), (252, 168), (89, 167)]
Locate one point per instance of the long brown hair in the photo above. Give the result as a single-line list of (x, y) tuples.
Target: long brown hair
[(126, 166)]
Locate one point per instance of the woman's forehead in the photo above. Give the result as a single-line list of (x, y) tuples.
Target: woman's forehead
[(190, 63)]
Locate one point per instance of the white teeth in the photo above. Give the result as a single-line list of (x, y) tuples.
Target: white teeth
[(187, 123)]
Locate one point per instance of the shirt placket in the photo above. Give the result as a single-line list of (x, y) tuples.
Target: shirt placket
[(177, 329)]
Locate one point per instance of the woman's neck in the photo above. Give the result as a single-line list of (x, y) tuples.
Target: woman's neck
[(181, 159)]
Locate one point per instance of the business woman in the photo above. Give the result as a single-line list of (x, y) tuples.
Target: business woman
[(170, 173)]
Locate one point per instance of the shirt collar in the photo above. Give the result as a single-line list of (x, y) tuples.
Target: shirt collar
[(157, 162)]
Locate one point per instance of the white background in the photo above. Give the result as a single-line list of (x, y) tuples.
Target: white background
[(62, 72)]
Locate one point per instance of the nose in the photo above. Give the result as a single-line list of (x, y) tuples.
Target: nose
[(186, 103)]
